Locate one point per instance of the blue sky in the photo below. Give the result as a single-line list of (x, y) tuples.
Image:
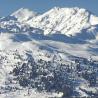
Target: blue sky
[(9, 6)]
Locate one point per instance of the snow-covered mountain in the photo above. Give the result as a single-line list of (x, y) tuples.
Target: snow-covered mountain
[(74, 22), (24, 15), (68, 21), (58, 36)]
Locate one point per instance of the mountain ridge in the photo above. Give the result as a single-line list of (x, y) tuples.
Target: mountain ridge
[(24, 14), (64, 20), (43, 49)]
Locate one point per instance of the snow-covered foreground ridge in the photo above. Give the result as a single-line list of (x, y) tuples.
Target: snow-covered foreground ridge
[(34, 46)]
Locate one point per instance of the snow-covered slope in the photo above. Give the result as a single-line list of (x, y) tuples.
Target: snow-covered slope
[(24, 14), (59, 35), (68, 21)]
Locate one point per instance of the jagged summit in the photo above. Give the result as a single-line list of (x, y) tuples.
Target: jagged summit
[(65, 20), (72, 9), (24, 14)]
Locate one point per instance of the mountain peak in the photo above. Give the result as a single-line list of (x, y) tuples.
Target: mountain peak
[(71, 8), (66, 20), (24, 14)]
